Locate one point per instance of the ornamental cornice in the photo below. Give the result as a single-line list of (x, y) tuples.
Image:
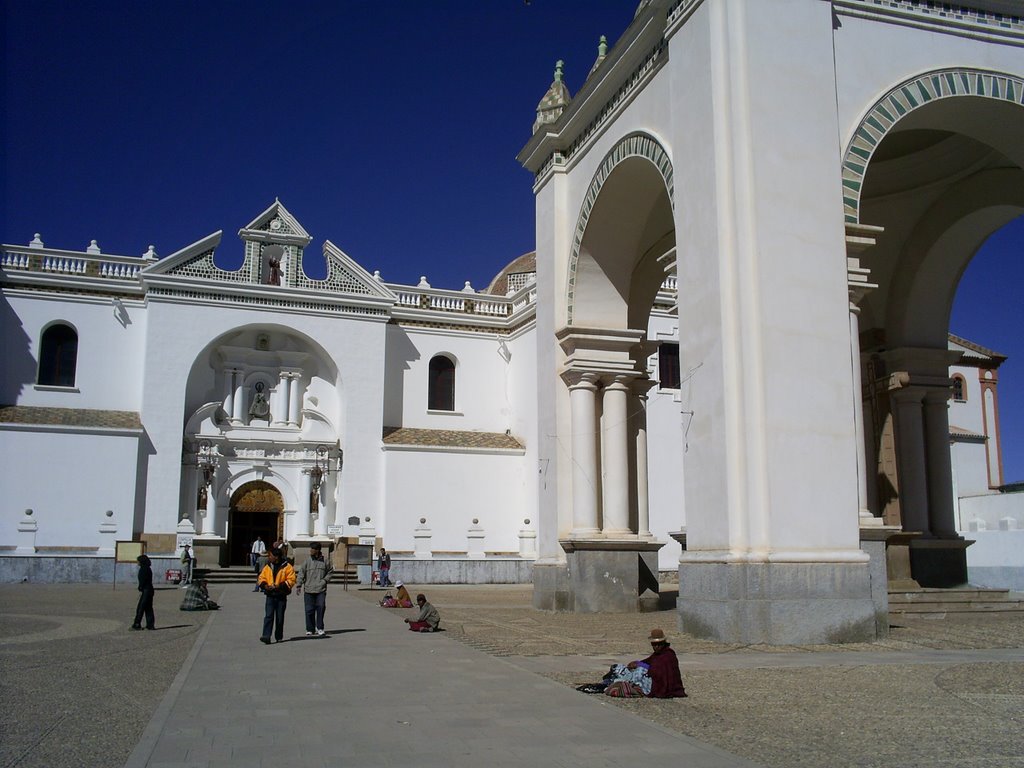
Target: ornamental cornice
[(637, 56), (998, 20)]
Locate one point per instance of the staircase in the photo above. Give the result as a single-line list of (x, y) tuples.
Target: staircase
[(938, 603), (243, 574)]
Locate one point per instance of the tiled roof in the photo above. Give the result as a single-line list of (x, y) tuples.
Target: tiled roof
[(69, 417), (960, 432), (976, 348), (449, 438)]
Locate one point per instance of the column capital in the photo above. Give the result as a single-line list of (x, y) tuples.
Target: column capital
[(642, 386), (618, 381), (937, 395), (580, 379)]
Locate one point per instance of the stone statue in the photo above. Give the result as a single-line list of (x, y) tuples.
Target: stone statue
[(260, 408)]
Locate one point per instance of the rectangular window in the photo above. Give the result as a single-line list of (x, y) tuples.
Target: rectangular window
[(668, 365)]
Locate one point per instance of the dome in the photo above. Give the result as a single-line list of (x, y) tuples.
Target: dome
[(527, 263)]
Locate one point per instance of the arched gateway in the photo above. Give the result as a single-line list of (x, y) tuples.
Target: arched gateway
[(745, 192)]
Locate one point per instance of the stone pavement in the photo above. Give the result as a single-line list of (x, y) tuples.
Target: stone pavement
[(372, 694), (81, 690)]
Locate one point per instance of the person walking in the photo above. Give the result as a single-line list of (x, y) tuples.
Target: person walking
[(384, 568), (145, 606), (258, 548), (314, 575), (261, 562), (186, 566), (277, 579)]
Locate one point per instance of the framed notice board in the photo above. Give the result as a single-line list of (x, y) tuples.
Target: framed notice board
[(360, 554), (129, 551)]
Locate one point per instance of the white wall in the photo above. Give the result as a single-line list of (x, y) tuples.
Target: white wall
[(450, 489), (69, 479), (108, 375)]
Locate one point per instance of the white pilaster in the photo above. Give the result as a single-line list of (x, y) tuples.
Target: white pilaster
[(294, 399)]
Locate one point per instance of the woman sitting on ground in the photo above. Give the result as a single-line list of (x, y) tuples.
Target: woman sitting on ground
[(197, 598), (656, 677), (400, 600)]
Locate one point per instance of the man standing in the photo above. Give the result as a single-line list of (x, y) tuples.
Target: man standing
[(145, 606), (186, 566), (276, 580), (384, 568), (258, 548), (314, 575)]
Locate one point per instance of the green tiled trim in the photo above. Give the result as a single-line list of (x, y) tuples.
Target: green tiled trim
[(905, 98), (634, 145)]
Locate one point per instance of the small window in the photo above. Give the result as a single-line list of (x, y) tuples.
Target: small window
[(668, 365), (441, 387), (959, 389), (58, 356)]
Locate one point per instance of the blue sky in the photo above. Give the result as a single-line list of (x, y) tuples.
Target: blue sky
[(390, 129)]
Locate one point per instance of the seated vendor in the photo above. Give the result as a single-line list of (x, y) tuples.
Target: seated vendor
[(427, 619), (656, 677), (197, 598)]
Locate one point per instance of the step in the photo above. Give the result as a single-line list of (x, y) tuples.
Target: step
[(948, 595)]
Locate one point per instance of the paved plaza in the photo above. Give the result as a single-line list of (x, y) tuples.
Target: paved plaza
[(494, 689)]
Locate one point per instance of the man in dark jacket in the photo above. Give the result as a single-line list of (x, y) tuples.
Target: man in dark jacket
[(145, 605)]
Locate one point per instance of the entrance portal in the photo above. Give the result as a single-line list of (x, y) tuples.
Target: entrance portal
[(256, 510)]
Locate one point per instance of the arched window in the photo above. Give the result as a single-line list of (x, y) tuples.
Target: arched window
[(58, 356), (959, 389), (441, 385)]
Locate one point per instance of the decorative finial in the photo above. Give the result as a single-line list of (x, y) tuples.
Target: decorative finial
[(602, 47), (93, 247), (559, 66), (423, 282), (150, 254), (36, 242), (467, 288)]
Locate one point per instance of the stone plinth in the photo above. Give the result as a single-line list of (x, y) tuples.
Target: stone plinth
[(602, 575), (939, 563), (778, 603)]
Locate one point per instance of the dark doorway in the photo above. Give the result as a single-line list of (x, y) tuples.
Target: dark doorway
[(245, 527)]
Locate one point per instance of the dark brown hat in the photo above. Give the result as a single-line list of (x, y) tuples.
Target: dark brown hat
[(657, 636)]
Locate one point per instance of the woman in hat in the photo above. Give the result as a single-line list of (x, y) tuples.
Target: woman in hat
[(656, 677)]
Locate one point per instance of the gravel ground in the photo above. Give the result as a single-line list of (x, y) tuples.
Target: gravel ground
[(882, 716), (79, 688)]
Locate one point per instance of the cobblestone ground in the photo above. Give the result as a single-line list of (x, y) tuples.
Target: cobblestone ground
[(905, 715), (79, 688)]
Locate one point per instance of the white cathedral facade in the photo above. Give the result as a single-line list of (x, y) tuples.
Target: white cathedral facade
[(728, 359)]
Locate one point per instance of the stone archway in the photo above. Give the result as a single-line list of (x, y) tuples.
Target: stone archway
[(256, 508), (622, 251), (932, 170)]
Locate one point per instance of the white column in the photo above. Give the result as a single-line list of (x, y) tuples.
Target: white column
[(238, 408), (294, 401), (282, 402), (229, 393), (615, 456), (866, 518), (302, 518), (643, 504), (583, 410), (940, 469), (212, 522)]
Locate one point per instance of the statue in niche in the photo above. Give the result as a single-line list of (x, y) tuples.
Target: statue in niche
[(202, 497), (275, 271), (260, 408)]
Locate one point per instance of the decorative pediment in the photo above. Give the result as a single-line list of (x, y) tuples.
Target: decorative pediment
[(276, 224)]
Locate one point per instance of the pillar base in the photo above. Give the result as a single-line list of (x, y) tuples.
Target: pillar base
[(611, 575), (777, 603), (939, 563)]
